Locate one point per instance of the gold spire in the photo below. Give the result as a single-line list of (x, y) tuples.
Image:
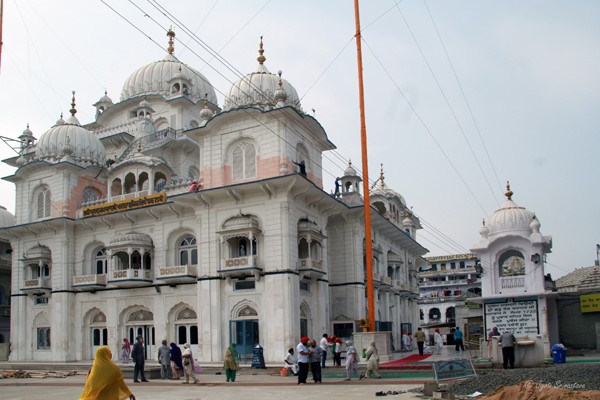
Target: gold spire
[(73, 110), (261, 58), (509, 192), (381, 176), (171, 35)]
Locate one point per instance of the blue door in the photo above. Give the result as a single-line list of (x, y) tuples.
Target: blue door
[(244, 333)]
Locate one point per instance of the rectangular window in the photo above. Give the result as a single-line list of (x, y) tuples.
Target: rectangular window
[(43, 338), (41, 300), (452, 265), (181, 334), (305, 286), (193, 334), (244, 285)]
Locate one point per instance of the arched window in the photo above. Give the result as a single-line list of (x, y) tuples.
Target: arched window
[(90, 194), (187, 251), (101, 262), (115, 188), (143, 181), (186, 327), (43, 203), (129, 183), (512, 263), (244, 161), (160, 181)]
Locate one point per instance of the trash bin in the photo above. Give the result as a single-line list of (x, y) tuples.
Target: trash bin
[(559, 354)]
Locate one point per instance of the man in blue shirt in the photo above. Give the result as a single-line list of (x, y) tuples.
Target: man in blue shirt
[(458, 339)]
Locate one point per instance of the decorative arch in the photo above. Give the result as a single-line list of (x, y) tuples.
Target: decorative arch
[(243, 155), (184, 322), (511, 262), (302, 155), (90, 194), (41, 331), (126, 314), (245, 309), (41, 202)]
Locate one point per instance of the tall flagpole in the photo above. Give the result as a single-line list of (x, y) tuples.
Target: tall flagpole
[(365, 170)]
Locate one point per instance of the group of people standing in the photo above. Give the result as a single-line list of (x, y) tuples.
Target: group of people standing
[(312, 356)]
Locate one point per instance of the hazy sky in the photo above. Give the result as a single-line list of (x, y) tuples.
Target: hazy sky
[(530, 71)]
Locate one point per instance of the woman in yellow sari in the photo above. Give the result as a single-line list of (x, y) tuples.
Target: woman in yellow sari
[(105, 380)]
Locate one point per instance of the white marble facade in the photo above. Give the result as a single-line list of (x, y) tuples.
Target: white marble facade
[(110, 242)]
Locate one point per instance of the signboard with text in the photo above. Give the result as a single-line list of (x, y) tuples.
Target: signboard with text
[(124, 205), (453, 369), (589, 303), (517, 317)]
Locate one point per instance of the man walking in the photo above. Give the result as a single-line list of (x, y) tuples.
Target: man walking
[(420, 338), (458, 339), (507, 340), (139, 358), (324, 345)]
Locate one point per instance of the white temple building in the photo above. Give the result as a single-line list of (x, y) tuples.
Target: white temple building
[(516, 294), (109, 241)]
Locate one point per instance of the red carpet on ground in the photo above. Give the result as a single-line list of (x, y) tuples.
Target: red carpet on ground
[(413, 358)]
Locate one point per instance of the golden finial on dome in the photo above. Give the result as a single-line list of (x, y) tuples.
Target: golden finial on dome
[(261, 58), (509, 192), (171, 35), (73, 110), (382, 176)]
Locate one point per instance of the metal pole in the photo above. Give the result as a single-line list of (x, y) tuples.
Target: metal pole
[(365, 169)]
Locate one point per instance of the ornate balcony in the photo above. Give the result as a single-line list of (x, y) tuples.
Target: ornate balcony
[(89, 281), (177, 274), (240, 266), (38, 286), (130, 277), (310, 268)]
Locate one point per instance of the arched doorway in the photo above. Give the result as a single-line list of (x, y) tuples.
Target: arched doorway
[(98, 332), (243, 331), (140, 322)]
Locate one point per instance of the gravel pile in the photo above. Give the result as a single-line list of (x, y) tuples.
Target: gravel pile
[(569, 376)]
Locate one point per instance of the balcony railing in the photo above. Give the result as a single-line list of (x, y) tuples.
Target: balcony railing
[(509, 283), (177, 273), (310, 263), (97, 280), (238, 263), (37, 283), (130, 277), (37, 286)]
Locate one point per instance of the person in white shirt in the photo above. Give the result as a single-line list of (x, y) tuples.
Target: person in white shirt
[(290, 361), (438, 341), (324, 345), (303, 354)]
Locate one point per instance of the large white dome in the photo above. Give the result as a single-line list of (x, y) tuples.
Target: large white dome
[(261, 89), (153, 79), (70, 141), (6, 218), (511, 217)]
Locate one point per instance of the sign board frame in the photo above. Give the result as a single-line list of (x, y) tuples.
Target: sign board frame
[(453, 369)]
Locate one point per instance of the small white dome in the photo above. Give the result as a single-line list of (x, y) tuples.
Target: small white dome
[(104, 100), (85, 146), (6, 218), (153, 79), (383, 190), (258, 89), (350, 171), (511, 217)]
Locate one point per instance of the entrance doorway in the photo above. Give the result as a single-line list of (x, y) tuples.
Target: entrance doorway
[(244, 333), (147, 333)]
